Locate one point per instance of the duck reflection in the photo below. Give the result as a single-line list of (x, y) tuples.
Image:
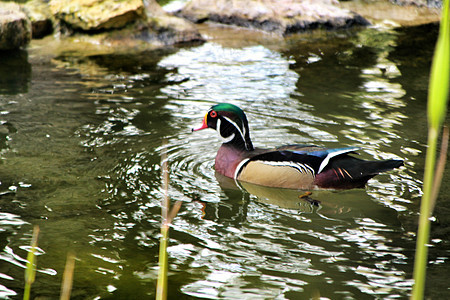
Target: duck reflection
[(342, 205), (233, 210), (285, 198)]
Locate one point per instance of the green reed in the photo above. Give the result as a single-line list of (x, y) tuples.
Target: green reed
[(167, 217), (30, 271), (67, 281), (437, 107)]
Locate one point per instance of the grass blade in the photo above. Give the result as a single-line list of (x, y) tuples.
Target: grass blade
[(30, 271), (437, 107), (167, 217), (161, 286), (66, 286)]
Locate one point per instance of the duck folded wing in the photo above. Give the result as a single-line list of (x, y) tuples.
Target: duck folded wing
[(311, 167), (296, 168)]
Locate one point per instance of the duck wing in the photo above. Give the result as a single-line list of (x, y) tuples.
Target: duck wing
[(316, 157), (338, 170), (293, 166)]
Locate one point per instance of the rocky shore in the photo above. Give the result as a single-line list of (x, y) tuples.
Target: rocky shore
[(144, 23), (112, 22), (281, 17)]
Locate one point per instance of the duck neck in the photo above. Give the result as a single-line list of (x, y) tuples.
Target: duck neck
[(228, 158), (238, 143)]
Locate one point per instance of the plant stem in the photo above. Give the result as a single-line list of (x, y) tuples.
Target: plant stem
[(67, 282), (440, 167), (161, 286), (30, 271), (420, 262), (437, 106)]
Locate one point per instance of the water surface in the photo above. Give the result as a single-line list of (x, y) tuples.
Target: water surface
[(81, 138)]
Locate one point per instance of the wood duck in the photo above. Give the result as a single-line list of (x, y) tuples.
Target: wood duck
[(292, 166)]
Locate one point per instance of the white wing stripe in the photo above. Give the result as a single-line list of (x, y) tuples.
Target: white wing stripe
[(302, 168), (333, 154)]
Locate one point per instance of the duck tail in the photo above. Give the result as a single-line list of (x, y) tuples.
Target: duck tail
[(376, 167), (351, 172)]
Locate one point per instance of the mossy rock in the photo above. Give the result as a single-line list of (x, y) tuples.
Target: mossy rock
[(94, 15)]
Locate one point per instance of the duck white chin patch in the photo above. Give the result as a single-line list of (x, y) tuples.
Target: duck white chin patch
[(225, 139)]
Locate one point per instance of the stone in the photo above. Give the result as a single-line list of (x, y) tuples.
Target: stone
[(41, 20), (171, 30), (276, 16), (15, 28), (387, 13), (165, 29), (97, 15), (420, 3), (150, 28)]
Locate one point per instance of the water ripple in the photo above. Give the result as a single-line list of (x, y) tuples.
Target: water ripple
[(226, 241)]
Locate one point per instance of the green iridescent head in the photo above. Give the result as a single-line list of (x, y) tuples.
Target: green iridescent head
[(231, 123)]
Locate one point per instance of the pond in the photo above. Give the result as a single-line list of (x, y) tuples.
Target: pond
[(81, 139)]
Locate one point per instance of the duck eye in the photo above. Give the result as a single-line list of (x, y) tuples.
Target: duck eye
[(213, 114)]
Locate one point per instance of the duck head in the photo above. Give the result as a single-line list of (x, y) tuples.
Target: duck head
[(231, 124)]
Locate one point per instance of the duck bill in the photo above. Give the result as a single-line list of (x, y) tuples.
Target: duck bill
[(203, 126)]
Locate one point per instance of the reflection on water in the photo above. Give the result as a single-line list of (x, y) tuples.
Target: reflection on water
[(15, 72), (221, 66), (81, 153)]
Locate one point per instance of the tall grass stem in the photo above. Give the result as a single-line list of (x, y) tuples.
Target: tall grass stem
[(67, 281), (30, 271), (437, 107), (167, 217)]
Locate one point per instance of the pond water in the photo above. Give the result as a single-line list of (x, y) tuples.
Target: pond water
[(81, 138)]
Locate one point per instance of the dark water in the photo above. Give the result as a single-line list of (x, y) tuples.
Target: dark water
[(81, 139)]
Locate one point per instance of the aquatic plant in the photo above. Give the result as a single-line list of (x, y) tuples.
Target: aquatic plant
[(437, 107), (66, 285), (167, 217), (30, 271)]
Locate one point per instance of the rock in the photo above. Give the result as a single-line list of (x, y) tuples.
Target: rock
[(154, 29), (149, 27), (419, 3), (166, 29), (41, 20), (169, 30), (97, 15), (387, 13), (15, 28), (152, 33), (278, 16)]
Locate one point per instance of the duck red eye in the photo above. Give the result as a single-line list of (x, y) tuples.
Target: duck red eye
[(213, 114)]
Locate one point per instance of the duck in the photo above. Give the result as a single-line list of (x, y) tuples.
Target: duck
[(296, 166)]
